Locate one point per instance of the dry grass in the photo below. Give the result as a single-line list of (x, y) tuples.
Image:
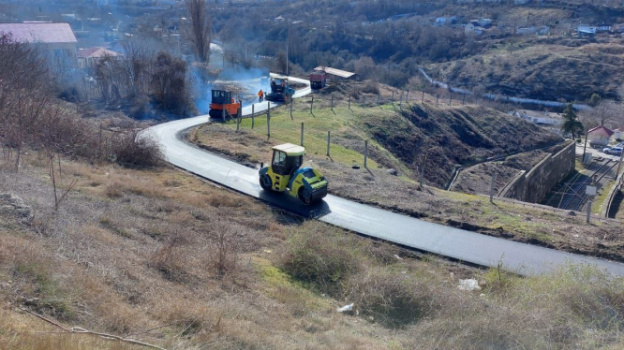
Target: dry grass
[(145, 262)]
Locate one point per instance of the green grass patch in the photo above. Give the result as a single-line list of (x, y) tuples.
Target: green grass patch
[(341, 121), (284, 289), (601, 197)]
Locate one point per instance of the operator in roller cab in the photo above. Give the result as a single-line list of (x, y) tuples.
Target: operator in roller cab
[(286, 174)]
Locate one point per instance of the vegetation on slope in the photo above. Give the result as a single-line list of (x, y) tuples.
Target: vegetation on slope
[(136, 253), (441, 138), (377, 186)]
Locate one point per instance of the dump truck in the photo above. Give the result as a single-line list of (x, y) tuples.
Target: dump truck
[(223, 105), (318, 79), (280, 91), (286, 174)]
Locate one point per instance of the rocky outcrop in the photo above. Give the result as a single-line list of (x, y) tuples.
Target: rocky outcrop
[(14, 206)]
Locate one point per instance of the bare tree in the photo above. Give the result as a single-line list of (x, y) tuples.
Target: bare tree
[(200, 32), (606, 113)]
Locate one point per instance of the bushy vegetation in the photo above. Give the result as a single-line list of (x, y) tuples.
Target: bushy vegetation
[(574, 306), (145, 83), (30, 116)]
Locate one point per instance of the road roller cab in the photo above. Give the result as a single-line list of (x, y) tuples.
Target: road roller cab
[(286, 174)]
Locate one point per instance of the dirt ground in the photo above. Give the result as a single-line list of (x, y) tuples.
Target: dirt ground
[(519, 221)]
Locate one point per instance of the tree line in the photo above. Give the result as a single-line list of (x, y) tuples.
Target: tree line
[(32, 117)]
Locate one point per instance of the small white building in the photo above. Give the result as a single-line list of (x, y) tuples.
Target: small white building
[(599, 136), (88, 57), (538, 117)]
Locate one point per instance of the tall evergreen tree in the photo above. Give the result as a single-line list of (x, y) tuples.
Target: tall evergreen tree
[(571, 124)]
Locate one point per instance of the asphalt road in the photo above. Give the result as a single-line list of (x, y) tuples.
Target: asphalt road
[(453, 243)]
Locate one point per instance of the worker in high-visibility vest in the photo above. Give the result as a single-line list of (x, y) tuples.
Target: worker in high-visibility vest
[(260, 95)]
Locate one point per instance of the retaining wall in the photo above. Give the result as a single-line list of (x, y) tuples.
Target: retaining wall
[(534, 185)]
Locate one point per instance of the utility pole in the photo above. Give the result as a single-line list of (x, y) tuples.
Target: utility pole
[(585, 148), (268, 119), (287, 45), (328, 141)]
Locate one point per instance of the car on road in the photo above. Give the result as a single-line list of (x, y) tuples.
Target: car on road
[(612, 150)]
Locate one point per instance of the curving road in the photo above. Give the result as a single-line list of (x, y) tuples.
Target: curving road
[(453, 243)]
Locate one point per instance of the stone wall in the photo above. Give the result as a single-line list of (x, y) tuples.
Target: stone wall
[(534, 185)]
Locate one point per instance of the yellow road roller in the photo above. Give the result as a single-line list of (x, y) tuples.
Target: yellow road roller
[(286, 174)]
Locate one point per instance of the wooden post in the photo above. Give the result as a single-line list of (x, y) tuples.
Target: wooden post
[(332, 102), (100, 143), (269, 120), (492, 188), (253, 116), (238, 119), (589, 205), (328, 141), (585, 149), (301, 134), (366, 154), (312, 105)]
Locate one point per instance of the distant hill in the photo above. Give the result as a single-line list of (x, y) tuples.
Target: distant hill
[(541, 71)]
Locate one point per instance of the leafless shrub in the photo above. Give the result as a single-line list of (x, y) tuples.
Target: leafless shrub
[(371, 88), (223, 252), (392, 297), (137, 152), (168, 259)]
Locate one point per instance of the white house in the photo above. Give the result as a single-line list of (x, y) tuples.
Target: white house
[(56, 41), (599, 136), (88, 57), (537, 117)]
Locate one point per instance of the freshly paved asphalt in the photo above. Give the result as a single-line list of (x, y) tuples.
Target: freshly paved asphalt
[(457, 244)]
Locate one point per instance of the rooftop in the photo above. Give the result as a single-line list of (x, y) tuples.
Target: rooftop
[(334, 71), (600, 130), (49, 33), (96, 52), (290, 149)]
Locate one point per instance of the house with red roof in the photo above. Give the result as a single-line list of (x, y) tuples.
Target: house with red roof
[(55, 40), (599, 136)]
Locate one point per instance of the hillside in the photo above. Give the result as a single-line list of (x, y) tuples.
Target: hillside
[(391, 183), (165, 258), (540, 70), (450, 136)]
